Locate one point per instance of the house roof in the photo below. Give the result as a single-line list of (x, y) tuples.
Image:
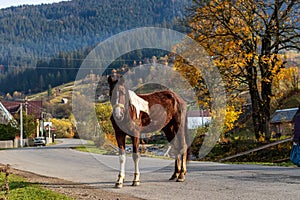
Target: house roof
[(5, 116), (32, 107), (284, 115), (198, 113)]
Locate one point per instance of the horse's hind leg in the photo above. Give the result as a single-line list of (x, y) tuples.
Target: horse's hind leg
[(170, 134), (183, 152), (177, 168), (182, 174), (176, 129), (180, 165)]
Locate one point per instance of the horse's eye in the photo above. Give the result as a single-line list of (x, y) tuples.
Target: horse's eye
[(122, 90)]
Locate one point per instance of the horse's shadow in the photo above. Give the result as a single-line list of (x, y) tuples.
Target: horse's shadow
[(127, 183)]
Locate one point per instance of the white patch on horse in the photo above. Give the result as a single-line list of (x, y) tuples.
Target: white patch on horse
[(139, 103)]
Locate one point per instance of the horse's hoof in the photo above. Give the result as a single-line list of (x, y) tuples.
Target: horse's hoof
[(181, 177), (173, 177), (118, 185), (135, 183), (180, 180)]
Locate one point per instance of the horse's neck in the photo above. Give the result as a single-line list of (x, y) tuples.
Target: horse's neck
[(139, 103)]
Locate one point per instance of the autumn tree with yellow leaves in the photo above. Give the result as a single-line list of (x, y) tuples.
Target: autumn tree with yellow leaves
[(246, 39)]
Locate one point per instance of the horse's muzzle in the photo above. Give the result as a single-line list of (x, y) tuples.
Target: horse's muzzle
[(118, 113)]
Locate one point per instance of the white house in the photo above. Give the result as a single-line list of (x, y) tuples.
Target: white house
[(198, 118)]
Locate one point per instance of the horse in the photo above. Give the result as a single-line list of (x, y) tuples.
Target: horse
[(166, 111)]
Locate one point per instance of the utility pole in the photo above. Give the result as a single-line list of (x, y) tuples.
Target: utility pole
[(42, 125), (202, 117), (49, 130), (21, 125)]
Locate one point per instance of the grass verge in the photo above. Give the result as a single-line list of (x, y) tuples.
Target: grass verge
[(282, 164), (21, 189), (90, 147)]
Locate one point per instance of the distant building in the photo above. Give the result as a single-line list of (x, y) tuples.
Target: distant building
[(198, 118), (34, 108), (31, 107), (5, 116), (64, 100), (281, 122)]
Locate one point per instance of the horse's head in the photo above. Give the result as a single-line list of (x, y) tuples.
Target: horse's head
[(117, 94)]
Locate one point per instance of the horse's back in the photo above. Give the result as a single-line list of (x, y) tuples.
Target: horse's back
[(164, 106), (164, 98)]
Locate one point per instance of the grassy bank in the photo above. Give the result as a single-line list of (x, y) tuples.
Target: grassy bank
[(21, 189), (275, 155)]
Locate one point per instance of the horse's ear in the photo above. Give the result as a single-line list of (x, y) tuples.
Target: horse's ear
[(122, 80), (110, 80)]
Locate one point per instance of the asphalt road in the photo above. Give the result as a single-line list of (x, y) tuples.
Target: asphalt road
[(204, 180)]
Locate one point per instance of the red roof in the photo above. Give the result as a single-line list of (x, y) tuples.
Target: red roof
[(32, 107), (198, 113)]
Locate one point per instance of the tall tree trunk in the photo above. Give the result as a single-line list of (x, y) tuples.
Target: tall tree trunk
[(255, 99), (255, 108), (260, 102), (265, 108), (260, 115), (266, 84)]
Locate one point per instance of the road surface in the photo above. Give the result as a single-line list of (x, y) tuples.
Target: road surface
[(205, 180)]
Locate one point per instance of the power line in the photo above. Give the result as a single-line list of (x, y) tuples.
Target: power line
[(60, 68)]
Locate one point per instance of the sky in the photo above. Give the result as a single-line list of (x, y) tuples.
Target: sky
[(8, 3)]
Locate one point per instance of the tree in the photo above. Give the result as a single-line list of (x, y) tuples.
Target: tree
[(246, 39), (285, 83), (49, 92), (103, 112), (29, 124), (8, 132), (64, 128), (42, 83)]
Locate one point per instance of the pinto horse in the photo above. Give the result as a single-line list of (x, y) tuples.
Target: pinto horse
[(167, 112)]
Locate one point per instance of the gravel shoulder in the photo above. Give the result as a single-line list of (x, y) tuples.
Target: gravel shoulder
[(75, 190)]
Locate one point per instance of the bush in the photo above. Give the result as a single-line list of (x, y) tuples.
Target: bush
[(8, 132), (103, 112), (64, 128)]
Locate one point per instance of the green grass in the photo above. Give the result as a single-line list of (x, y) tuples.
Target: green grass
[(90, 147), (282, 164), (20, 189)]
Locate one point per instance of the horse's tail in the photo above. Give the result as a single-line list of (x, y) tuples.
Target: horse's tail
[(187, 136), (187, 140)]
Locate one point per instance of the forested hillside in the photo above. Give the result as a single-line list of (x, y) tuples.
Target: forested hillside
[(39, 34)]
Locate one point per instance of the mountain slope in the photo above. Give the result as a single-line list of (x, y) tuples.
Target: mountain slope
[(29, 33)]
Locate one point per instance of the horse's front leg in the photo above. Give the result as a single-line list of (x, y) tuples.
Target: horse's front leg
[(122, 159), (121, 176), (136, 158), (136, 180)]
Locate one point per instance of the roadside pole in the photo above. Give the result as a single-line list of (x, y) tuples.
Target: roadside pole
[(21, 125), (49, 130)]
